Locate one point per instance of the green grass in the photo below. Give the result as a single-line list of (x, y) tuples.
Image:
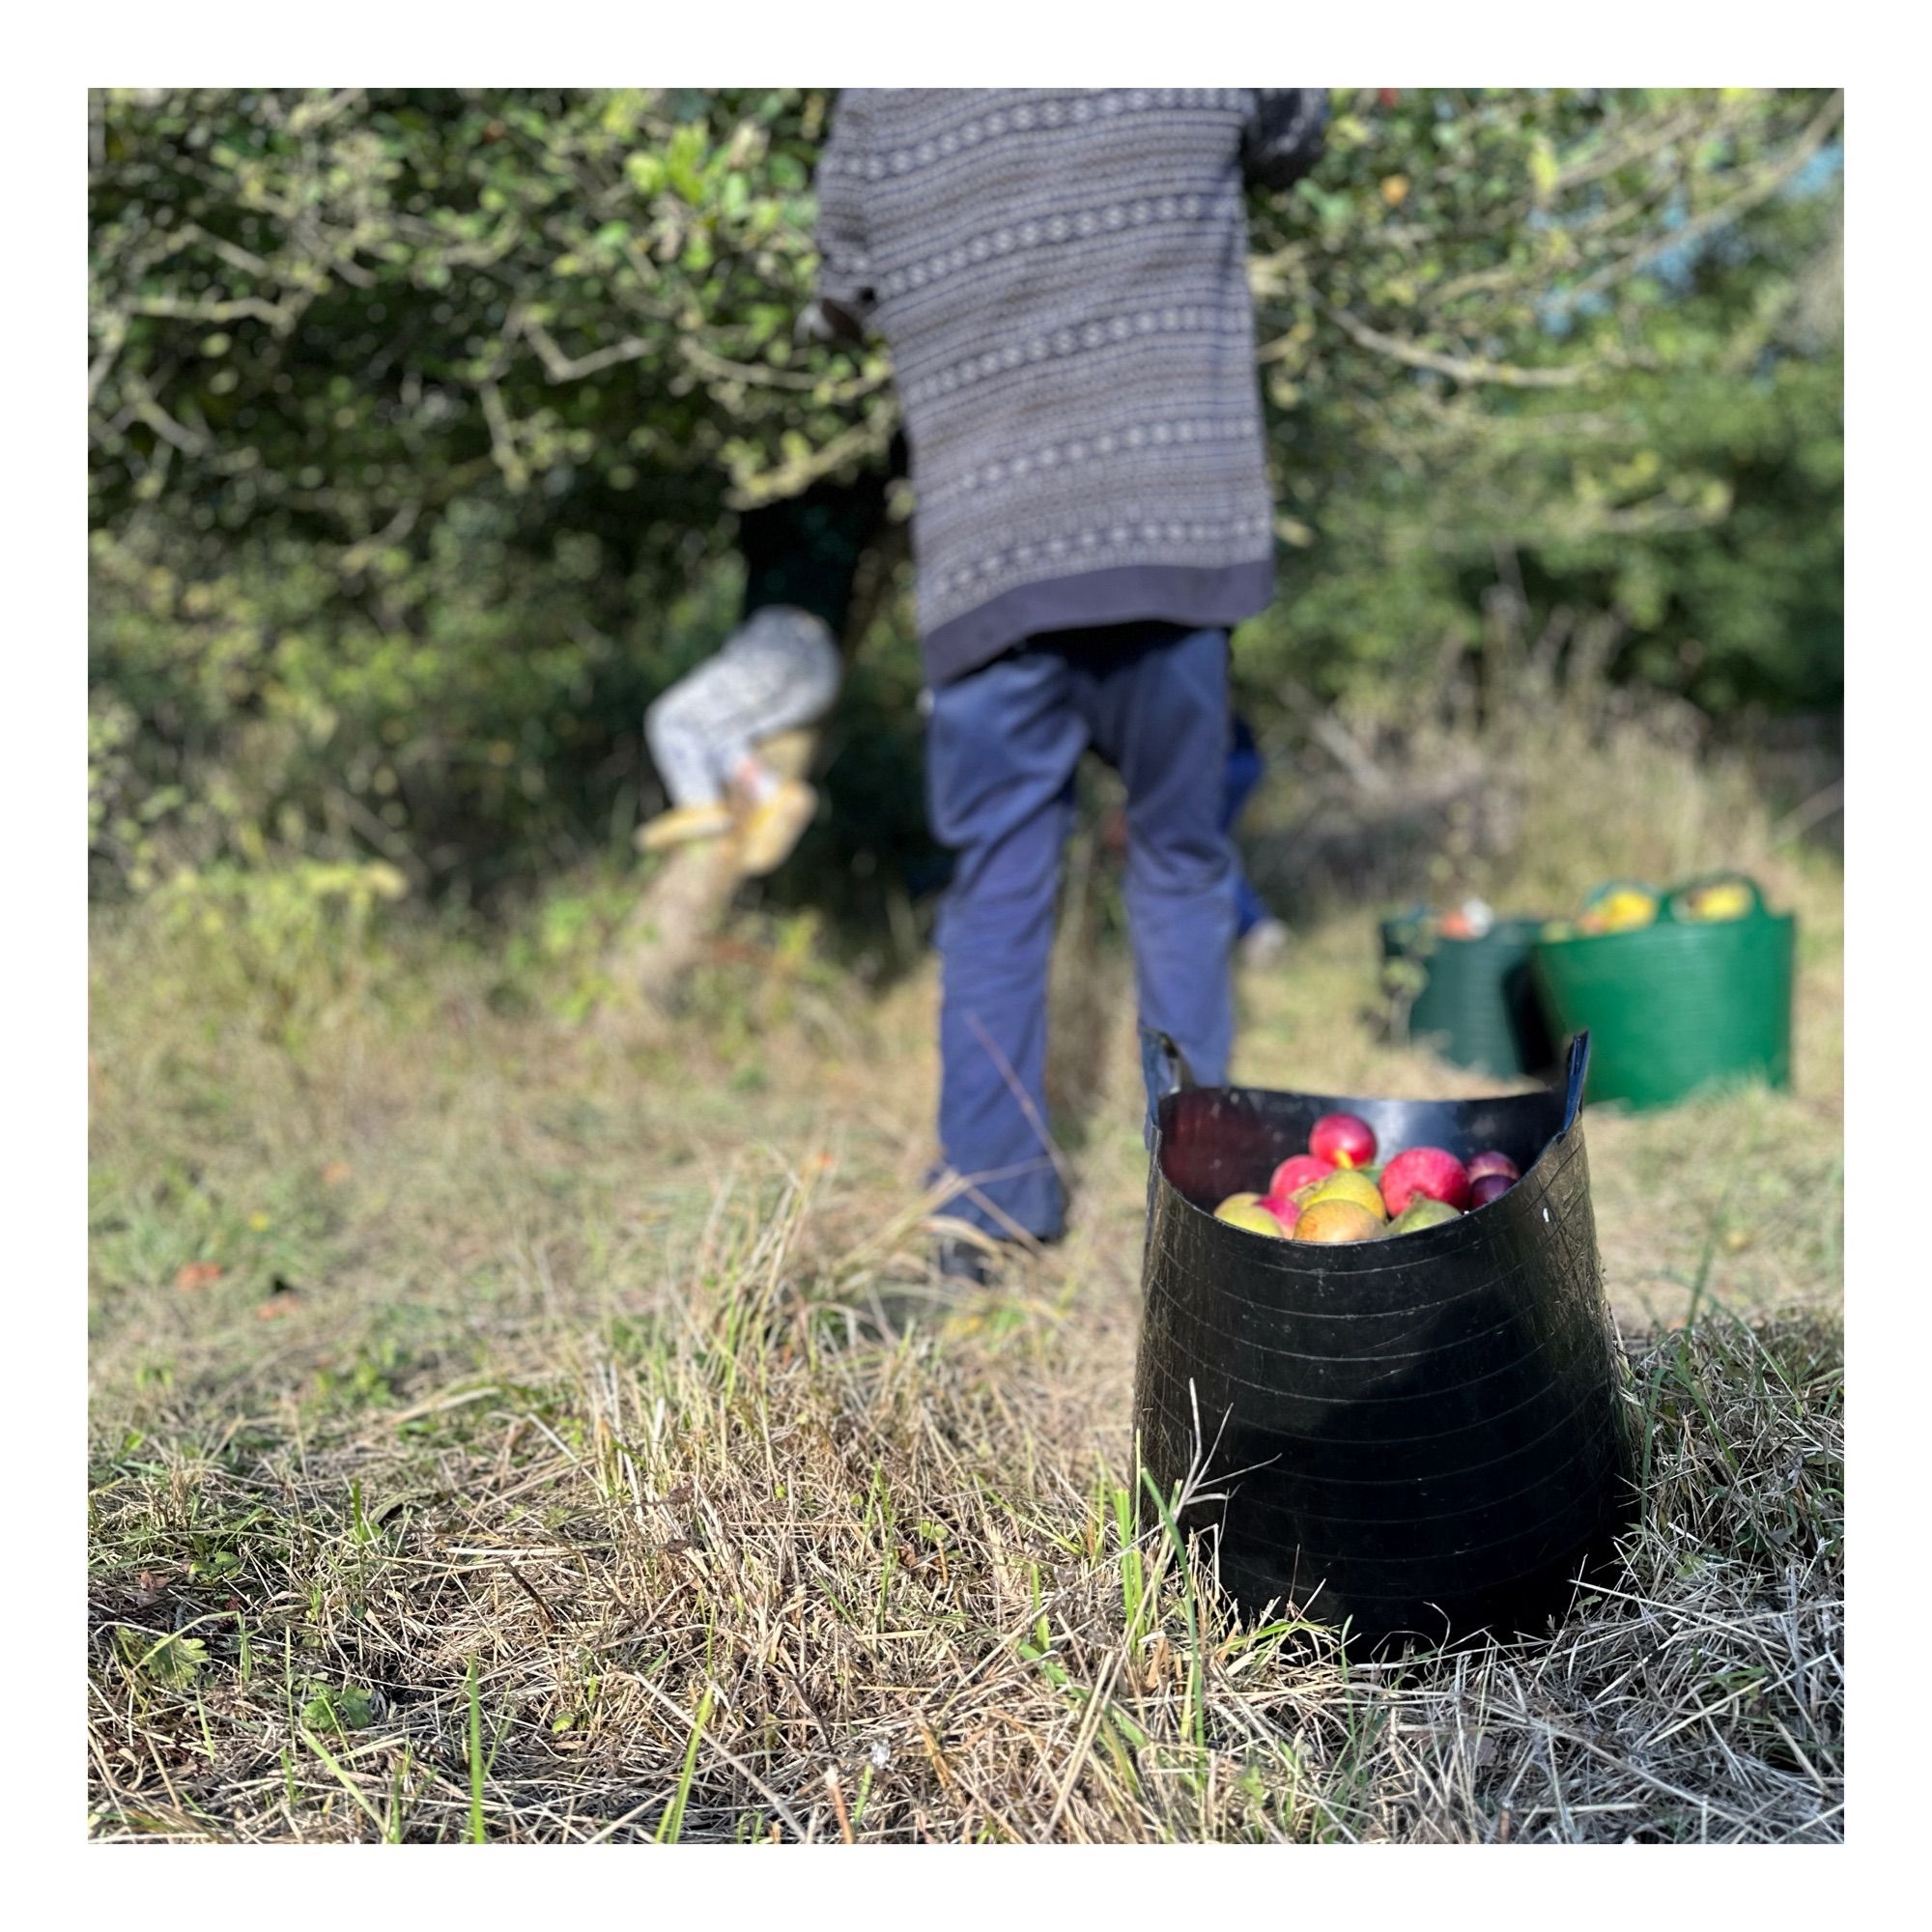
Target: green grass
[(534, 1467)]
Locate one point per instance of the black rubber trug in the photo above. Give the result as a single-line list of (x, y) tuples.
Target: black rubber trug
[(1423, 1435)]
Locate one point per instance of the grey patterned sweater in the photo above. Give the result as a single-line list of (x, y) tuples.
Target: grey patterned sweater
[(1062, 278)]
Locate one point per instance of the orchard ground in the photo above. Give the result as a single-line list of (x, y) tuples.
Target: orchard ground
[(493, 1435)]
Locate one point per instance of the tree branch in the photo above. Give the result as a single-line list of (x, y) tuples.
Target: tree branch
[(563, 368), (358, 557), (502, 436), (1459, 369), (192, 234), (113, 333), (1610, 160), (709, 363), (866, 439), (1761, 188), (147, 407), (239, 309)]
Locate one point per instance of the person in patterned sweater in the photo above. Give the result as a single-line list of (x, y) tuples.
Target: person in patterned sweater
[(1060, 276)]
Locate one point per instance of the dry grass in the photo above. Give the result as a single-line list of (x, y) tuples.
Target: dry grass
[(536, 1466)]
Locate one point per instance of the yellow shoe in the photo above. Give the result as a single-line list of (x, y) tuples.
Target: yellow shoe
[(768, 832), (682, 825)]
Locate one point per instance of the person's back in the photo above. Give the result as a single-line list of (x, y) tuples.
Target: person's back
[(1062, 278)]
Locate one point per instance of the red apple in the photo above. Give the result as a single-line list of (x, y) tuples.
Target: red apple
[(1484, 1188), (1425, 1170), (1297, 1171), (1342, 1139), (1287, 1212), (1494, 1161)]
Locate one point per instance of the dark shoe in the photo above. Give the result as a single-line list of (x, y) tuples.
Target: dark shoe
[(966, 1262)]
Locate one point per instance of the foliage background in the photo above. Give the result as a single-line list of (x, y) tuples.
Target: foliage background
[(420, 422)]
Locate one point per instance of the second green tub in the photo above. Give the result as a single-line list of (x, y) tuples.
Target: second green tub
[(1478, 1007)]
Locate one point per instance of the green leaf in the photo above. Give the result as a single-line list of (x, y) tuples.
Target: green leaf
[(350, 1708), (175, 1659)]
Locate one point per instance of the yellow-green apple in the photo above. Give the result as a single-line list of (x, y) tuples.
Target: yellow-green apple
[(1422, 1211), (1252, 1216), (1335, 1221), (1345, 1184)]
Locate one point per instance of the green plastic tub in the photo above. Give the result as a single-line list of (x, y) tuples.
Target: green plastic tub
[(1478, 1006), (1677, 1006)]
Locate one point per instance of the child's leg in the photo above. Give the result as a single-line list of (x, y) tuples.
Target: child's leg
[(779, 671), (786, 666), (675, 729)]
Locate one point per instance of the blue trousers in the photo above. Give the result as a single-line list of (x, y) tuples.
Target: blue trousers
[(1003, 744), (1244, 774)]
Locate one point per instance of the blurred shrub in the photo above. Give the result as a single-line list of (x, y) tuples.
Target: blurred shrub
[(287, 942), (419, 421), (478, 720), (1582, 345)]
